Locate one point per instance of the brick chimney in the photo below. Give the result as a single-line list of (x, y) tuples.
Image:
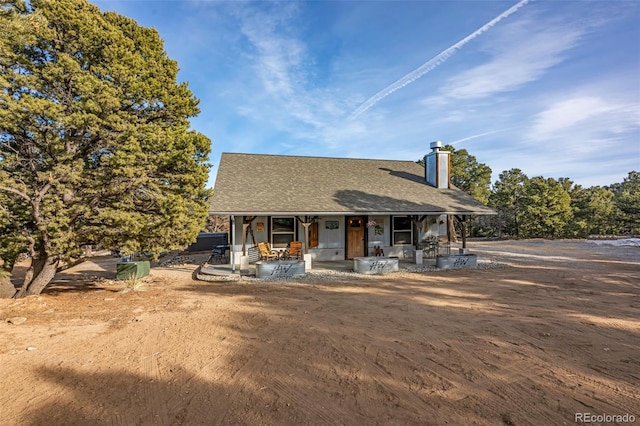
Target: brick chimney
[(436, 166)]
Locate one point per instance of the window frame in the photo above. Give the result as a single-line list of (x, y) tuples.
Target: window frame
[(292, 232), (395, 231)]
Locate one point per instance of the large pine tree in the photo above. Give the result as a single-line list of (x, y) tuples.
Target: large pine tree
[(95, 143)]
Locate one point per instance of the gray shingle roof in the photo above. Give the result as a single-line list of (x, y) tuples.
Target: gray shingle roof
[(253, 184)]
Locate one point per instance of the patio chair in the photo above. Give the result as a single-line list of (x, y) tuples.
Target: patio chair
[(430, 247), (444, 247), (220, 254), (294, 250), (265, 251)]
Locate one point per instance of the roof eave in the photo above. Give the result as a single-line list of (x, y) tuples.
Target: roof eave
[(350, 213)]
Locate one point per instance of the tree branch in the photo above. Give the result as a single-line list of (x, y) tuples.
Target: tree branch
[(16, 192)]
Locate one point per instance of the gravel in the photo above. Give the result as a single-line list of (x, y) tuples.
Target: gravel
[(325, 275)]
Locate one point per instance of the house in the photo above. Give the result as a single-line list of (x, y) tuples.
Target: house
[(340, 208)]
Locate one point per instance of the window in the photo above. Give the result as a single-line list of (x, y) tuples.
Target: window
[(355, 223), (402, 230), (283, 231)]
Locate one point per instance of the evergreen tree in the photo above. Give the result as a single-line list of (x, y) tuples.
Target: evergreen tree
[(602, 213), (95, 144), (468, 175), (546, 208), (507, 197), (627, 200)]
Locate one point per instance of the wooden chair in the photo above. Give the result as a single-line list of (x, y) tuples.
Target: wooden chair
[(294, 251), (265, 251)]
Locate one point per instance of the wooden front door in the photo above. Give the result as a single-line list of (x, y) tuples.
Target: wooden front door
[(355, 237)]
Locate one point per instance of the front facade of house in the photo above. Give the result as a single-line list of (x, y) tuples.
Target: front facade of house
[(339, 237), (339, 208)]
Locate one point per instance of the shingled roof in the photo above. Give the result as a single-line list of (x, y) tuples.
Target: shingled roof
[(255, 184)]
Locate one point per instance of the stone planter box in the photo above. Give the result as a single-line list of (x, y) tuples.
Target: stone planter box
[(375, 265), (280, 268), (456, 261)]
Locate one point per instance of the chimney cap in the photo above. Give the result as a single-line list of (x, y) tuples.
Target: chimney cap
[(435, 145)]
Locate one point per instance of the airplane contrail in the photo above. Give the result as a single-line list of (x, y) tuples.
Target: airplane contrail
[(433, 62), (479, 135)]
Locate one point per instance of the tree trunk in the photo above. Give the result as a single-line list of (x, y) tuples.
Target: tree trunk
[(452, 235), (7, 290), (42, 271), (37, 263)]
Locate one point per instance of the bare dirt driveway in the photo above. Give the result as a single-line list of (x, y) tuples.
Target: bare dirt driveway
[(554, 333)]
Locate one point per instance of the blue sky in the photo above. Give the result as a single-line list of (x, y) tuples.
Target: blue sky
[(549, 87)]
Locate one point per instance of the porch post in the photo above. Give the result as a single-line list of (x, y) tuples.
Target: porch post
[(306, 236), (245, 225), (233, 243), (306, 223), (463, 225), (464, 232)]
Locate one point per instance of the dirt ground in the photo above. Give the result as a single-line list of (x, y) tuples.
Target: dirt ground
[(554, 333)]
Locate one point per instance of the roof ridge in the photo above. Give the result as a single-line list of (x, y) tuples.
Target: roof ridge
[(314, 156)]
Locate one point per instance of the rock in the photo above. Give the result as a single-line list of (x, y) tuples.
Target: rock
[(16, 320)]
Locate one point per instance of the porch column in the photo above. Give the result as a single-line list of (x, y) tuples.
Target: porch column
[(463, 225), (246, 223), (233, 243), (245, 226), (306, 223)]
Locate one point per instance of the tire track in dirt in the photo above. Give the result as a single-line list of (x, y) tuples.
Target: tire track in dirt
[(514, 384), (240, 382), (320, 367), (314, 409), (198, 391), (273, 376), (154, 392), (539, 372), (375, 373)]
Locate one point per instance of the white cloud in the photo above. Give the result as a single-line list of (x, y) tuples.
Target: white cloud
[(567, 113), (277, 55), (521, 53), (586, 119)]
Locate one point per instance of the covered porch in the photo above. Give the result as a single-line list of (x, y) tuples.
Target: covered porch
[(327, 268)]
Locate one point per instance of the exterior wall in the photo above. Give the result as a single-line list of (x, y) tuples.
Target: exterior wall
[(332, 240), (434, 226), (381, 235)]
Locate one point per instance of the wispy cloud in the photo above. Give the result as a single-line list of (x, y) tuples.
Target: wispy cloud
[(584, 122), (433, 62), (277, 55), (514, 65)]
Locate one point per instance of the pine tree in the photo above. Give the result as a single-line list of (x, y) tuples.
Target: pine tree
[(508, 197), (546, 208), (95, 143), (627, 200)]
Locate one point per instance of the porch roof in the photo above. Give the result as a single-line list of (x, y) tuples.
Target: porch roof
[(257, 184)]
